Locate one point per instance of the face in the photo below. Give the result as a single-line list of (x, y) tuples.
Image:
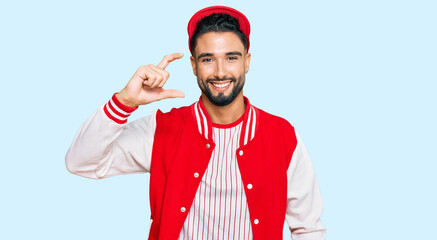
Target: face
[(220, 64)]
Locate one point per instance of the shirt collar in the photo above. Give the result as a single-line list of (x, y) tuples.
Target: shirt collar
[(204, 123)]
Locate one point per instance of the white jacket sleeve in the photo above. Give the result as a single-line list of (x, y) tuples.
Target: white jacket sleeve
[(304, 203), (104, 147)]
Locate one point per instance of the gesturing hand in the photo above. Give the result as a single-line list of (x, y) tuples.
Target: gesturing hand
[(146, 84)]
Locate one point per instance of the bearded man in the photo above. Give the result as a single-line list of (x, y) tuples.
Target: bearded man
[(220, 168)]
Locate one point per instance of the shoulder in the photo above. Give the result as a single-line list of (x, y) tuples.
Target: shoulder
[(174, 113), (273, 122), (175, 119), (278, 130)]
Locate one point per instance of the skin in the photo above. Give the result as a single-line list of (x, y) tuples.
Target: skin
[(221, 58), (218, 58), (146, 84)]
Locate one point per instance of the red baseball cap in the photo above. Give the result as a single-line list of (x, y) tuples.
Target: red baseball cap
[(242, 20)]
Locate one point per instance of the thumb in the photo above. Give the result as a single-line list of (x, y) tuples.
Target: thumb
[(173, 93)]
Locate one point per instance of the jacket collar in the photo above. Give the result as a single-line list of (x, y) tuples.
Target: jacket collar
[(204, 123)]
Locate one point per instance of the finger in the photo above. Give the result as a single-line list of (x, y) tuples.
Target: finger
[(159, 77), (168, 59), (165, 75), (162, 83), (144, 73), (171, 94), (151, 76)]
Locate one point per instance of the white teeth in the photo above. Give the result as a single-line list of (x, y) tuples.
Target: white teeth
[(222, 85)]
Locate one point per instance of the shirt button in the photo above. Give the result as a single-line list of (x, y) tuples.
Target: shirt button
[(241, 153), (196, 175), (208, 145), (183, 209), (256, 221), (249, 186)]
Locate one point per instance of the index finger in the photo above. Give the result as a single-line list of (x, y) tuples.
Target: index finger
[(168, 59)]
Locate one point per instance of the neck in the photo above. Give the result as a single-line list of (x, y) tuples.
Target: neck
[(225, 114)]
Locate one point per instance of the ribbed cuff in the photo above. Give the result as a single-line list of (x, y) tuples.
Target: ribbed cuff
[(117, 111)]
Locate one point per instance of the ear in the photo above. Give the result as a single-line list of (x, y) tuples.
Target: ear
[(247, 62), (193, 65)]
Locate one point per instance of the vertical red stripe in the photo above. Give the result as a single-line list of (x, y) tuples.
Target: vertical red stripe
[(204, 205), (198, 212), (244, 232), (241, 199), (221, 184), (210, 181), (231, 188), (193, 217), (188, 226), (215, 191), (236, 182), (224, 175)]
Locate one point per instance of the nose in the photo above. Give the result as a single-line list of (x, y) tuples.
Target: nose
[(220, 70)]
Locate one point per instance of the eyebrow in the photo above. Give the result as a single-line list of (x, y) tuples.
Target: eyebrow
[(234, 53), (205, 55), (227, 54)]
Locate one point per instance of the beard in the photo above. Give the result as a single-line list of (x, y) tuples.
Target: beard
[(221, 100)]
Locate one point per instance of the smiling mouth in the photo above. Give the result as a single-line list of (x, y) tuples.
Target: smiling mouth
[(220, 85)]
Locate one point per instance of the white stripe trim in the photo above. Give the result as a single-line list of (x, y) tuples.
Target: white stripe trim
[(247, 127), (253, 123), (113, 114), (117, 108), (198, 118), (205, 123)]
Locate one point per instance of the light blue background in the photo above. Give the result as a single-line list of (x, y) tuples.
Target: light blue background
[(356, 78)]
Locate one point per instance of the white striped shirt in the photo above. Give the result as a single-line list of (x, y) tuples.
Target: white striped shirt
[(219, 209)]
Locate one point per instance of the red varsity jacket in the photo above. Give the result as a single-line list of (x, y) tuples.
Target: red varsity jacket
[(180, 150)]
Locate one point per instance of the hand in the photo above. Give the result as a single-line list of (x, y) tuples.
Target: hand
[(146, 84)]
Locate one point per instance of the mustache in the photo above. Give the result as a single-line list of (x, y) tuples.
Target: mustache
[(221, 79)]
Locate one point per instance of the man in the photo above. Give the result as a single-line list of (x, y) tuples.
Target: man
[(220, 168)]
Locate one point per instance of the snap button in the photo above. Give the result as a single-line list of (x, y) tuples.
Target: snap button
[(208, 145), (256, 221), (249, 186), (183, 209), (241, 153), (196, 175)]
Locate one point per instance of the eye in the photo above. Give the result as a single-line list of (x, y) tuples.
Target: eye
[(206, 60), (232, 58)]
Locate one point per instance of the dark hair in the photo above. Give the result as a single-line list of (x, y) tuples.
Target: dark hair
[(217, 22)]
